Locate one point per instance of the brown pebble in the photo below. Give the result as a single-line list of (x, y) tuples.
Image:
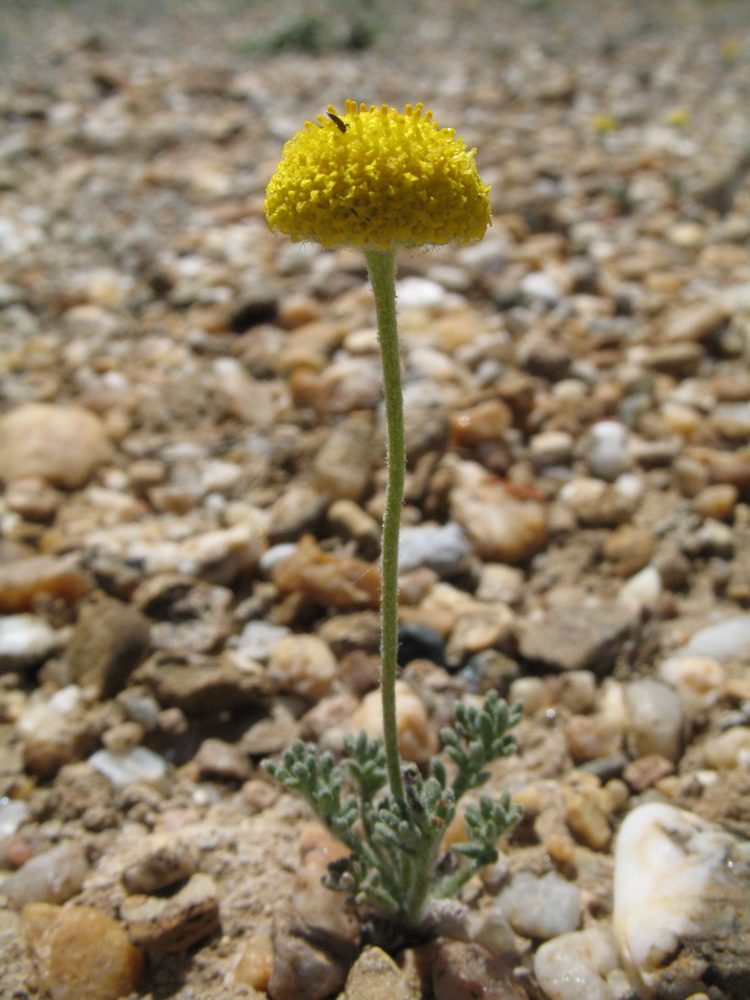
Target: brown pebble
[(464, 970), (173, 923), (255, 961), (110, 640), (644, 772), (629, 549), (62, 445), (328, 578), (81, 953), (165, 859), (486, 421), (23, 580)]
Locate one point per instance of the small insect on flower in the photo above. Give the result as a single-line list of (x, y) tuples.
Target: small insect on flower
[(340, 125)]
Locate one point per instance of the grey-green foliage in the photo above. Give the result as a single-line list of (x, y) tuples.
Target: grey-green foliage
[(395, 864)]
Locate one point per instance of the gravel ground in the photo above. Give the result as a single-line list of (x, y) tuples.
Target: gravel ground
[(191, 448)]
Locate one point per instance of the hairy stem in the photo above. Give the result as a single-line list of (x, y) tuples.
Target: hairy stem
[(381, 265)]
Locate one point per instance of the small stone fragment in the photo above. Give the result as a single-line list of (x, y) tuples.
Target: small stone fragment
[(576, 965), (300, 968), (255, 962), (81, 953), (62, 445), (375, 976), (343, 466), (416, 735), (25, 640), (165, 858), (655, 719), (173, 923), (53, 876), (464, 970), (134, 766), (501, 528), (110, 640), (23, 580), (576, 638), (540, 907), (302, 665), (328, 578)]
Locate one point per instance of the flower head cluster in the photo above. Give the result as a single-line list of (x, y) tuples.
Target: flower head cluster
[(374, 177)]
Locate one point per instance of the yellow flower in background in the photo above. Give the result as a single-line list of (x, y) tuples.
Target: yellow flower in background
[(605, 123), (373, 177)]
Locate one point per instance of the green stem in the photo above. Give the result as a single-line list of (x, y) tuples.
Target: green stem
[(381, 265)]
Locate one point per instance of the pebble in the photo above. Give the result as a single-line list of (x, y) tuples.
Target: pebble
[(375, 976), (607, 453), (23, 580), (722, 641), (62, 445), (218, 759), (417, 739), (206, 686), (588, 809), (500, 584), (136, 766), (25, 640), (174, 922), (343, 466), (484, 422), (501, 528), (300, 968), (729, 749), (551, 448), (692, 930), (164, 858), (540, 907), (53, 876), (577, 965), (81, 953), (13, 813), (717, 502), (109, 641), (655, 719), (629, 548), (577, 638), (463, 970), (254, 963), (698, 681), (348, 517), (303, 665), (598, 504), (442, 548), (331, 579)]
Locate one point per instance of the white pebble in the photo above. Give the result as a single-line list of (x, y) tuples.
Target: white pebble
[(138, 765), (25, 640), (729, 749), (257, 639), (642, 589), (696, 679), (416, 292), (439, 547), (721, 641), (13, 813), (575, 966), (669, 869), (655, 719), (607, 454), (540, 907)]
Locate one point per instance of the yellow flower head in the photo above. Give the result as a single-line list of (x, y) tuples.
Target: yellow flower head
[(377, 178)]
